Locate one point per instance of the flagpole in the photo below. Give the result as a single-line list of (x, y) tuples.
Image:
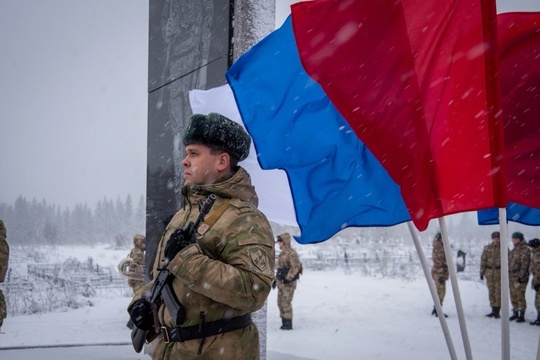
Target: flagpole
[(505, 287), (433, 291), (538, 351), (455, 289)]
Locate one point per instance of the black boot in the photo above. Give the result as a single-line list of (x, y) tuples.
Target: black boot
[(495, 312), (514, 316), (434, 312), (521, 316), (536, 322), (130, 324), (287, 324)]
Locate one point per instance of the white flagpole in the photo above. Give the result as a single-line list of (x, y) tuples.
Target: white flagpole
[(433, 291), (505, 287), (455, 289), (538, 351)]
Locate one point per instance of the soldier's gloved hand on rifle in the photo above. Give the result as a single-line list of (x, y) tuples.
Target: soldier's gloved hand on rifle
[(177, 242), (141, 314), (523, 280)]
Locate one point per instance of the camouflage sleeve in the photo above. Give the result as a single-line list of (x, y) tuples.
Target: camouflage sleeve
[(242, 276), (294, 265), (525, 263), (4, 258), (483, 261), (140, 295)]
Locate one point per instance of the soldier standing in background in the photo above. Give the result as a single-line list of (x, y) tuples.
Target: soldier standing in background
[(490, 268), (439, 271), (136, 266), (4, 257), (534, 244), (519, 261), (289, 269)]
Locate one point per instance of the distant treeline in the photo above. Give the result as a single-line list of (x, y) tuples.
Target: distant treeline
[(33, 222)]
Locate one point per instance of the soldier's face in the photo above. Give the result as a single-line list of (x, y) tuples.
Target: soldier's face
[(201, 166), (496, 240)]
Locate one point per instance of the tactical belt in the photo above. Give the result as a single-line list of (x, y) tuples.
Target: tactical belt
[(212, 328)]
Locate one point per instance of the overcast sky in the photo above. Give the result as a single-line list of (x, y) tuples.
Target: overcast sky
[(73, 97)]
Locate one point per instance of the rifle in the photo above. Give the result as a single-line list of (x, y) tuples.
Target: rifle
[(161, 291)]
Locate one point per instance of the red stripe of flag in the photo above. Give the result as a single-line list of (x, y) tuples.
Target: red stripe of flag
[(519, 44), (415, 80)]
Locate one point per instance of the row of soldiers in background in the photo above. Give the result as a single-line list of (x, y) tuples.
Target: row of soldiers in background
[(4, 257), (522, 262)]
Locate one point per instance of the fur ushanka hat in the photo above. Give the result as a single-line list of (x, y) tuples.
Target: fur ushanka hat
[(218, 132)]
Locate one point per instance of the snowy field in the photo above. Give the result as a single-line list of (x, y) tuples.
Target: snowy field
[(337, 315)]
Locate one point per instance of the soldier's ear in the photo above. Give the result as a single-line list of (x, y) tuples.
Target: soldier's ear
[(224, 161)]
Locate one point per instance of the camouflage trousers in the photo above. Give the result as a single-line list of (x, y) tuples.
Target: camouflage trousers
[(285, 297), (493, 281), (441, 289), (3, 308), (537, 302), (517, 295)]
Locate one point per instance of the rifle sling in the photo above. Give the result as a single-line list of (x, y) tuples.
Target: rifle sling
[(204, 330), (211, 219)]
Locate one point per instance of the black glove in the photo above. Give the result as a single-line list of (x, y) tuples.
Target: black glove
[(537, 287), (177, 242), (274, 284), (482, 277), (441, 281), (141, 314), (523, 280)]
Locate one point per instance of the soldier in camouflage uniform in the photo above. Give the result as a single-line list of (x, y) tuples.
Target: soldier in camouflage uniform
[(4, 257), (227, 273), (137, 266), (534, 244), (289, 269), (519, 261), (490, 268), (439, 271)]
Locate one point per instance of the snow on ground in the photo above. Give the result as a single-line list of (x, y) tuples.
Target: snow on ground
[(336, 316)]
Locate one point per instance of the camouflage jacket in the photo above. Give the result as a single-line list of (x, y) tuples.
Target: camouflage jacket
[(137, 266), (288, 259), (491, 259), (439, 271), (535, 267), (228, 272), (4, 252), (519, 261)]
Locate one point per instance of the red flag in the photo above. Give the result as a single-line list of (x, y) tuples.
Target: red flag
[(415, 81), (519, 45)]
